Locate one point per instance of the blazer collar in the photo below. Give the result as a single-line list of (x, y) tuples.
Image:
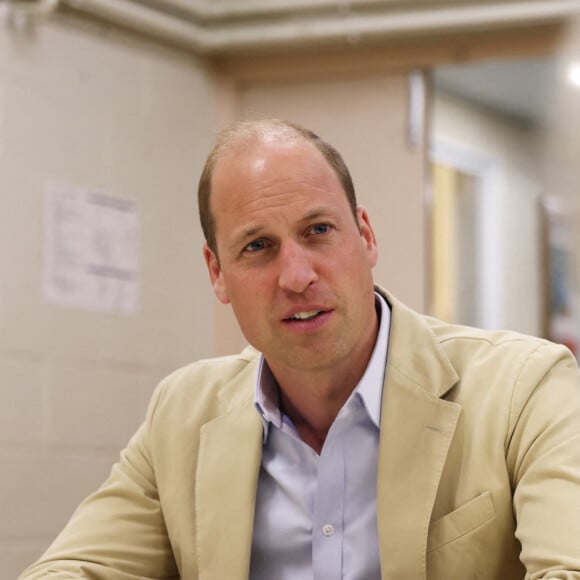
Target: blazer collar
[(415, 350)]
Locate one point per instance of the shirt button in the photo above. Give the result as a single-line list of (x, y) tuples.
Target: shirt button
[(328, 529)]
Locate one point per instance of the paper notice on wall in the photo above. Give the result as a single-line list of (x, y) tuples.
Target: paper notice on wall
[(90, 250)]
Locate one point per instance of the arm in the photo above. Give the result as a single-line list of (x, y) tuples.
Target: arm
[(118, 533), (543, 453)]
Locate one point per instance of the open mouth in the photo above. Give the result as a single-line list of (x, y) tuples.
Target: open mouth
[(308, 315)]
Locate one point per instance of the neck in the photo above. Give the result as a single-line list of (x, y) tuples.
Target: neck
[(312, 411), (313, 399)]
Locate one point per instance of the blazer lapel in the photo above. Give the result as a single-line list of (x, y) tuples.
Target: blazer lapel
[(417, 427), (226, 482)]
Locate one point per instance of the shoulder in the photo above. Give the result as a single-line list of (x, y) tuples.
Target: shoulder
[(208, 386), (212, 371), (468, 362), (501, 349), (509, 374)]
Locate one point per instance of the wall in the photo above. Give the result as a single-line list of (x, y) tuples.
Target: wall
[(511, 229), (86, 106)]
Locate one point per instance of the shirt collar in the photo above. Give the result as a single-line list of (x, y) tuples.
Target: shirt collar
[(369, 388)]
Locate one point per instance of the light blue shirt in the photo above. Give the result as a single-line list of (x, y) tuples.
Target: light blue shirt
[(316, 515)]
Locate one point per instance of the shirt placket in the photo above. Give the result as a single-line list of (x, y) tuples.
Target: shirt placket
[(327, 525)]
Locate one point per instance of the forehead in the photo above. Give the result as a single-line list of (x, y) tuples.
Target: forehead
[(270, 165), (272, 181)]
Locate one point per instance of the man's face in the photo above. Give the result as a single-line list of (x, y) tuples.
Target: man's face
[(293, 262)]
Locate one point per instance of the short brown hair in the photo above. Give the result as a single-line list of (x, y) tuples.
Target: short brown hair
[(244, 131)]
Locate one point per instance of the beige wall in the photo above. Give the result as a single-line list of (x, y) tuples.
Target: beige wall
[(96, 109)]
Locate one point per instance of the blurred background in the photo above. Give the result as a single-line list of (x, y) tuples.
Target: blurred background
[(458, 120)]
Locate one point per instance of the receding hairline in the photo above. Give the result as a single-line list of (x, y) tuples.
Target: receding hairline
[(253, 133), (265, 131)]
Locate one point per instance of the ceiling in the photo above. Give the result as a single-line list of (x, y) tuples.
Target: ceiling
[(519, 88), (226, 27)]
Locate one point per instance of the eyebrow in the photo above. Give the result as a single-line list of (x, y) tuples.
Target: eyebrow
[(244, 235), (317, 213)]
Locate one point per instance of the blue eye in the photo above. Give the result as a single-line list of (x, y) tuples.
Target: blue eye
[(319, 229), (255, 246)]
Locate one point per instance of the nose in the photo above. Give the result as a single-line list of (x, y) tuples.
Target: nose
[(297, 269)]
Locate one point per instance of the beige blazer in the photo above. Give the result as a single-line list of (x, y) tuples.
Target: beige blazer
[(478, 476)]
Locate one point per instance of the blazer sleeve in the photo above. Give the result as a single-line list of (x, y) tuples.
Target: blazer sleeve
[(543, 454), (117, 533)]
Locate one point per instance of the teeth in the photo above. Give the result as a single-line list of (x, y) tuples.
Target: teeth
[(305, 315)]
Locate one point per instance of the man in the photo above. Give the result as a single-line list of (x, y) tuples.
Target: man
[(355, 438)]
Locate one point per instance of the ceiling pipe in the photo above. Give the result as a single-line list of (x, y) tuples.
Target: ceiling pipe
[(338, 24), (30, 7), (24, 14), (208, 10), (144, 20)]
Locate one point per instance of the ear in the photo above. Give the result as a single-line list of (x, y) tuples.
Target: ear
[(215, 275), (367, 235)]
